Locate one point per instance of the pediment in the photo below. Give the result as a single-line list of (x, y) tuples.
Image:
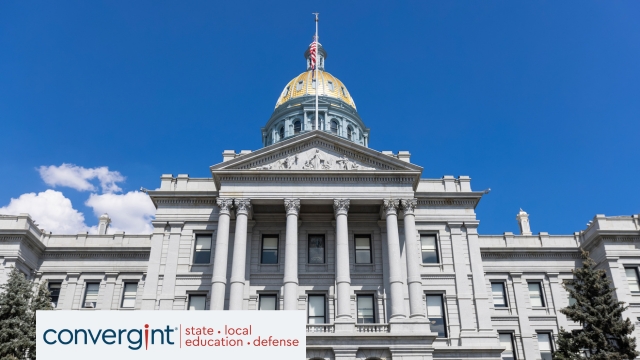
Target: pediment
[(316, 151)]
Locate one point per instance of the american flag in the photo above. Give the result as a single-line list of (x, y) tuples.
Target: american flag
[(312, 54)]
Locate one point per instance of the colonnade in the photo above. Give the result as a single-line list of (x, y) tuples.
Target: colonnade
[(343, 277)]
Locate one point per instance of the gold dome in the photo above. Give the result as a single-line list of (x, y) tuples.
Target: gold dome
[(302, 85)]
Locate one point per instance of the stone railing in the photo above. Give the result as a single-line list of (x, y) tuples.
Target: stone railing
[(320, 328), (372, 328)]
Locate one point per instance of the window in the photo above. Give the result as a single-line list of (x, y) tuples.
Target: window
[(313, 83), (569, 286), (197, 302), (54, 292), (330, 85), (269, 250), (281, 132), (285, 92), (316, 249), (544, 343), (129, 295), (349, 133), (91, 295), (297, 127), (363, 249), (506, 341), (632, 279), (202, 253), (429, 249), (535, 294), (334, 126), (268, 302), (366, 313), (316, 309), (435, 312), (299, 85), (499, 295), (344, 92)]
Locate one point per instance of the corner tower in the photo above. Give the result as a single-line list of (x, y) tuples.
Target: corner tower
[(295, 109)]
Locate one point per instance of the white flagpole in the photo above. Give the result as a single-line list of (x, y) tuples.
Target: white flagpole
[(316, 70)]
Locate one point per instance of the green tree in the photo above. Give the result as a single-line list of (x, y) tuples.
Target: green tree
[(604, 334), (16, 334), (40, 301)]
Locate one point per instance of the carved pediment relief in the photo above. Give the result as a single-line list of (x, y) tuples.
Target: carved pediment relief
[(314, 159)]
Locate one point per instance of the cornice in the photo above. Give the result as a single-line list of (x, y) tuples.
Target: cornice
[(75, 254), (554, 253)]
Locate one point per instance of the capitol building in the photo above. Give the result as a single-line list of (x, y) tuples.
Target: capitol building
[(387, 264)]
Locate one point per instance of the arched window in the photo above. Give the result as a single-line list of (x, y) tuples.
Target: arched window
[(334, 126), (350, 133), (297, 127), (281, 132)]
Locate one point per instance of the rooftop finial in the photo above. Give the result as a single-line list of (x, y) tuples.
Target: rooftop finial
[(523, 222)]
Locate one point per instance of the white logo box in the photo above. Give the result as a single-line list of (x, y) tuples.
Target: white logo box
[(156, 335)]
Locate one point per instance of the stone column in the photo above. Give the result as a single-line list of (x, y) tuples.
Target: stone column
[(291, 255), (236, 293), (413, 259), (396, 284), (343, 276), (219, 278)]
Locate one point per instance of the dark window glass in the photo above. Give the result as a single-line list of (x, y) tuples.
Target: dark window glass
[(54, 290), (363, 249), (429, 249), (349, 133), (268, 302), (269, 250), (316, 249), (366, 313), (91, 295), (316, 309), (435, 312), (506, 341), (297, 127), (281, 133), (129, 295), (499, 296), (334, 126), (202, 252), (197, 302)]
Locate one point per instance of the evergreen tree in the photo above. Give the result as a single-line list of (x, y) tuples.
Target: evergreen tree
[(604, 334), (40, 301), (16, 334)]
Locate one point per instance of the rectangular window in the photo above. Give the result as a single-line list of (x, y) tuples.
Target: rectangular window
[(202, 254), (535, 294), (299, 85), (499, 295), (129, 295), (366, 313), (506, 341), (632, 279), (269, 250), (568, 286), (268, 302), (363, 249), (91, 295), (429, 249), (546, 348), (54, 291), (316, 249), (197, 302), (316, 309), (330, 84), (435, 312)]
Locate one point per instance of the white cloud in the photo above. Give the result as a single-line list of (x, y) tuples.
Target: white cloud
[(131, 212), (50, 209), (77, 177)]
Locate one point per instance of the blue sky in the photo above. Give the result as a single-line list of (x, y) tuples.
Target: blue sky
[(537, 100)]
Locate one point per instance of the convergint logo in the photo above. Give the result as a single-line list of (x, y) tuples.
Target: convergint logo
[(132, 338)]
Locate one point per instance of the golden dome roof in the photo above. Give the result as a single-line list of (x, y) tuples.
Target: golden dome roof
[(302, 85)]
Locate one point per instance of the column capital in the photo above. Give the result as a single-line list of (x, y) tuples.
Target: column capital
[(243, 205), (292, 206), (409, 205), (341, 206), (390, 206), (225, 205)]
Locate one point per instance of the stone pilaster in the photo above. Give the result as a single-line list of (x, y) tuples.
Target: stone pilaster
[(292, 206), (219, 278), (236, 293), (171, 266), (414, 279), (107, 298), (390, 210)]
